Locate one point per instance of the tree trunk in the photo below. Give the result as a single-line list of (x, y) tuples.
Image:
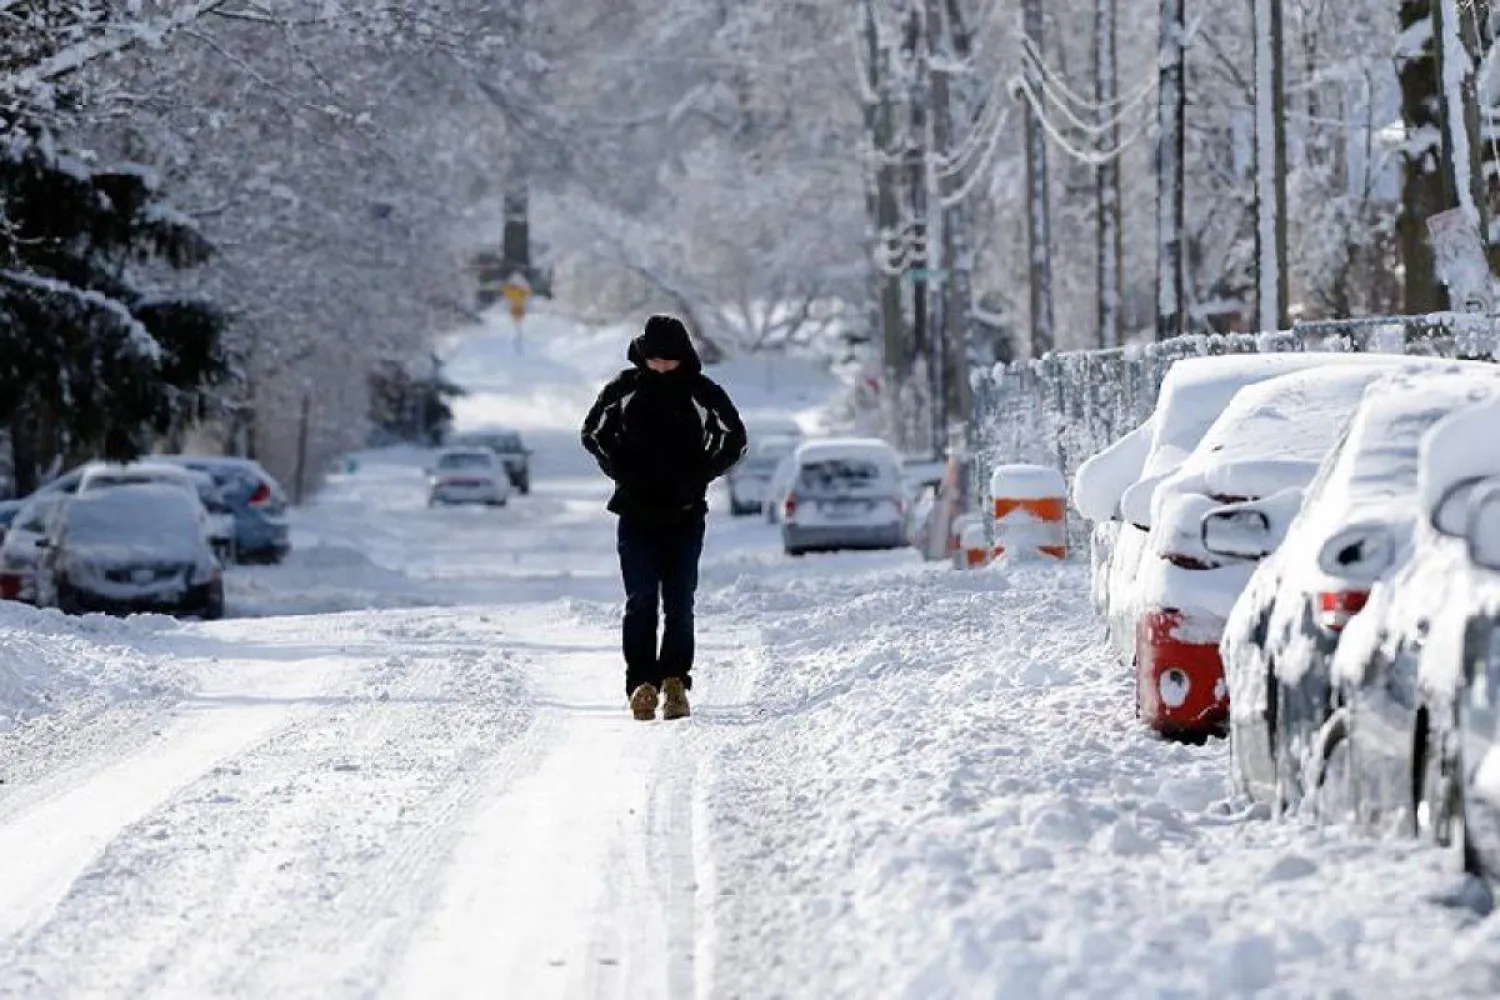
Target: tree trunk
[(883, 206), (918, 183), (1039, 235), (952, 49), (1171, 116), (1270, 168), (1107, 205), (1458, 55), (1422, 181)]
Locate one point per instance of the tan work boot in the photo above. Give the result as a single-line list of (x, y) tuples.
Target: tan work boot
[(675, 705), (643, 702)]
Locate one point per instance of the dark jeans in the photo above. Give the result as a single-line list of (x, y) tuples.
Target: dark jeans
[(660, 565)]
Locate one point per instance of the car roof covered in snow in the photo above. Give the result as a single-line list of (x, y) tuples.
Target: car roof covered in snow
[(1275, 434), (1376, 470), (826, 449), (768, 423), (164, 471), (1460, 447), (1196, 390)]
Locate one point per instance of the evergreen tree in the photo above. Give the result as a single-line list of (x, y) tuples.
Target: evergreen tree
[(91, 362)]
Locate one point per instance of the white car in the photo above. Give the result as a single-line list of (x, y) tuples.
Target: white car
[(130, 548), (1116, 485), (1265, 447), (1354, 530), (750, 480), (215, 517), (19, 553), (845, 494), (468, 475), (1399, 669)]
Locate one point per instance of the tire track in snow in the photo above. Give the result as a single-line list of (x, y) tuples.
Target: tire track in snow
[(309, 851)]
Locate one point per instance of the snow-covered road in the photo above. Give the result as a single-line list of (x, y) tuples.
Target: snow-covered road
[(407, 771)]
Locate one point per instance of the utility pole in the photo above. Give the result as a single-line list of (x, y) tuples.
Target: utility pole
[(917, 184), (1038, 229), (1107, 205), (1171, 120), (1270, 169)]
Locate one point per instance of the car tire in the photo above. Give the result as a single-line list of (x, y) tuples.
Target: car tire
[(1439, 810), (524, 486), (67, 600), (214, 609)]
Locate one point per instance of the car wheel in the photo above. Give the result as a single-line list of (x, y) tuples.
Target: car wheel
[(1439, 811), (214, 609), (524, 486), (67, 601)]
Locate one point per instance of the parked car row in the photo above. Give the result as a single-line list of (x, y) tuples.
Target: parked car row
[(152, 535), (1302, 552)]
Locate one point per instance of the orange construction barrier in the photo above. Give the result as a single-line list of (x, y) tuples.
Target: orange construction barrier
[(973, 549), (1030, 511)]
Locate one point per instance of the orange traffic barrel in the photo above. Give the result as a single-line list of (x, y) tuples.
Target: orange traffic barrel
[(1030, 511), (973, 548)]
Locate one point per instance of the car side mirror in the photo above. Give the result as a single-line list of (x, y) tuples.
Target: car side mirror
[(1361, 552), (1238, 532), (1450, 515), (1483, 529), (44, 543)]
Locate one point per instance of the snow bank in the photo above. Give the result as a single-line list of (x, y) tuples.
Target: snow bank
[(940, 790), (51, 663)]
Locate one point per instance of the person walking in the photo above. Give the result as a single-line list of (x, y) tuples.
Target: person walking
[(662, 431)]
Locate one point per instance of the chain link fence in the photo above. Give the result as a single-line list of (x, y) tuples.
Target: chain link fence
[(1063, 408)]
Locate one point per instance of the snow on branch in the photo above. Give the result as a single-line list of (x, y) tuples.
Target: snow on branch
[(138, 337)]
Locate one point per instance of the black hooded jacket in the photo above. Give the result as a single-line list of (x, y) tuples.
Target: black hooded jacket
[(663, 436)]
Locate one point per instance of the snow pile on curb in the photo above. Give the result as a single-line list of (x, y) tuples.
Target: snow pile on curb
[(49, 662), (948, 764)]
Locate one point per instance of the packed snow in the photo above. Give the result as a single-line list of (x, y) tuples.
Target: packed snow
[(405, 769)]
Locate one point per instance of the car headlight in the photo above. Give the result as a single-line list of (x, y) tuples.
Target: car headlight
[(1173, 685)]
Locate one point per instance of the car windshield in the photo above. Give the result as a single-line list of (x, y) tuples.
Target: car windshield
[(129, 479), (464, 460), (147, 517), (838, 475)]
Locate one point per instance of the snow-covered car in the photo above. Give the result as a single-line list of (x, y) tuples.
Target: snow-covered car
[(777, 487), (218, 523), (1354, 530), (507, 444), (749, 481), (1397, 670), (254, 499), (1269, 440), (19, 552), (845, 494), (128, 549), (467, 475), (1455, 764), (1116, 485)]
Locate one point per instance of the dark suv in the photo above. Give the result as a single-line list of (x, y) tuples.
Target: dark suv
[(514, 454)]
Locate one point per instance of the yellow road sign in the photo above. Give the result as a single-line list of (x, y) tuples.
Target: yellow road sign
[(517, 294)]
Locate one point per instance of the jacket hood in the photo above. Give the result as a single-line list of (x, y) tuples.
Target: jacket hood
[(665, 337)]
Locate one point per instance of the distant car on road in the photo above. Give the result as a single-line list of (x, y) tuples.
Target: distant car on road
[(128, 549), (19, 552), (749, 482), (507, 444), (253, 497), (845, 494), (467, 475)]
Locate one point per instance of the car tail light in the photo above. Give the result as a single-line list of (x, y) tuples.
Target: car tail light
[(262, 495), (1336, 607), (789, 507), (1189, 562)]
